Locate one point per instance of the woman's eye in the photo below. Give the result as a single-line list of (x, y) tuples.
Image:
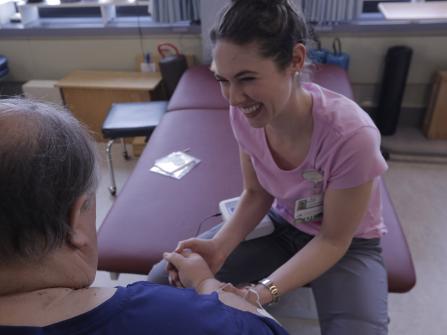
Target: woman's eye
[(247, 79), (219, 79), (222, 82)]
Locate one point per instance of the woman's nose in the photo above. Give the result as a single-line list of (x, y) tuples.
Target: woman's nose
[(235, 95)]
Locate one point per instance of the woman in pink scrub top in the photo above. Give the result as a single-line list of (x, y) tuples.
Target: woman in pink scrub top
[(311, 161)]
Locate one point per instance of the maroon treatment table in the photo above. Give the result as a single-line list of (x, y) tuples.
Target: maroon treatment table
[(153, 212)]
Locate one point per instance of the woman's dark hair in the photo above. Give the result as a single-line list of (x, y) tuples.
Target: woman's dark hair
[(47, 160), (274, 24)]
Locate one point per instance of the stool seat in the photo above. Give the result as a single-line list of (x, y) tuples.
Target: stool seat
[(133, 119), (130, 119)]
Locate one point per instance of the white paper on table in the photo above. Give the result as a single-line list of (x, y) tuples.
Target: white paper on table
[(176, 165)]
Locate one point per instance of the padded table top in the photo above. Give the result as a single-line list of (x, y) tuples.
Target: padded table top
[(150, 201)]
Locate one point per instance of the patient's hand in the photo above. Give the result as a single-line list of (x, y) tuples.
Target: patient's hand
[(173, 276), (210, 250), (191, 267), (193, 271)]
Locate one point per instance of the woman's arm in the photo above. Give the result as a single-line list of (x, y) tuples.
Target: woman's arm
[(194, 272), (343, 212), (254, 204)]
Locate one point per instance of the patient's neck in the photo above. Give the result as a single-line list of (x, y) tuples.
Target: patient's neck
[(59, 269), (47, 292)]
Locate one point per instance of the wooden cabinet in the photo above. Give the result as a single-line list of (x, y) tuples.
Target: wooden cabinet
[(89, 94), (435, 122)]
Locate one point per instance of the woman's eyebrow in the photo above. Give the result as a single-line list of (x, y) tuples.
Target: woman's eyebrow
[(244, 73), (239, 74)]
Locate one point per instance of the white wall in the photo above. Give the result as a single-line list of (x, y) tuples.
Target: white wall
[(53, 58), (209, 10)]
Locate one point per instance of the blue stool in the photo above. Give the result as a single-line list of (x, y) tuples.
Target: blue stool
[(130, 119)]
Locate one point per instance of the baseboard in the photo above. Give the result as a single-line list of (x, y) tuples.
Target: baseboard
[(410, 144)]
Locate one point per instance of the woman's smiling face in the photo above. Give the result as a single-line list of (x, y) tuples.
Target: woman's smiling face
[(252, 83)]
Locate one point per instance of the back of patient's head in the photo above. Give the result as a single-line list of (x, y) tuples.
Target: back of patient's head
[(47, 161)]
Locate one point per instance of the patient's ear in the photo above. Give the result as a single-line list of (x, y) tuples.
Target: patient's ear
[(78, 236)]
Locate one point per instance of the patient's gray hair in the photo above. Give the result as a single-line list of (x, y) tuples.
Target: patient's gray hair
[(47, 160)]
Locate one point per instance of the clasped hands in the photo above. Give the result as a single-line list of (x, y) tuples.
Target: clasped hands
[(193, 264)]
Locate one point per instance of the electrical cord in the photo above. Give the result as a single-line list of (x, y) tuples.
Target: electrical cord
[(203, 221), (195, 235)]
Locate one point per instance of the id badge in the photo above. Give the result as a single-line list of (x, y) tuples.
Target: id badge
[(309, 209)]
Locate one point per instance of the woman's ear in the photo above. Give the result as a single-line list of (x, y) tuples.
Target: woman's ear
[(298, 57), (77, 237)]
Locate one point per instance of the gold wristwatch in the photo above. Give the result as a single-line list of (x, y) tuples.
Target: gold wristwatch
[(266, 282)]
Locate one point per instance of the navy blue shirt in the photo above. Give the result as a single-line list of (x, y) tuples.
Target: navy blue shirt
[(146, 308)]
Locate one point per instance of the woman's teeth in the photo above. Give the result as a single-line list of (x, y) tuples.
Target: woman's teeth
[(251, 109)]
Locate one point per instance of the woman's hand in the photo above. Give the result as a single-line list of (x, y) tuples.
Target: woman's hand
[(208, 249), (190, 267), (194, 272)]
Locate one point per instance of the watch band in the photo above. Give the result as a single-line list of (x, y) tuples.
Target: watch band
[(266, 282)]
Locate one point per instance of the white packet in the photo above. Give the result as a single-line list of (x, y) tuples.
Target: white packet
[(176, 165)]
